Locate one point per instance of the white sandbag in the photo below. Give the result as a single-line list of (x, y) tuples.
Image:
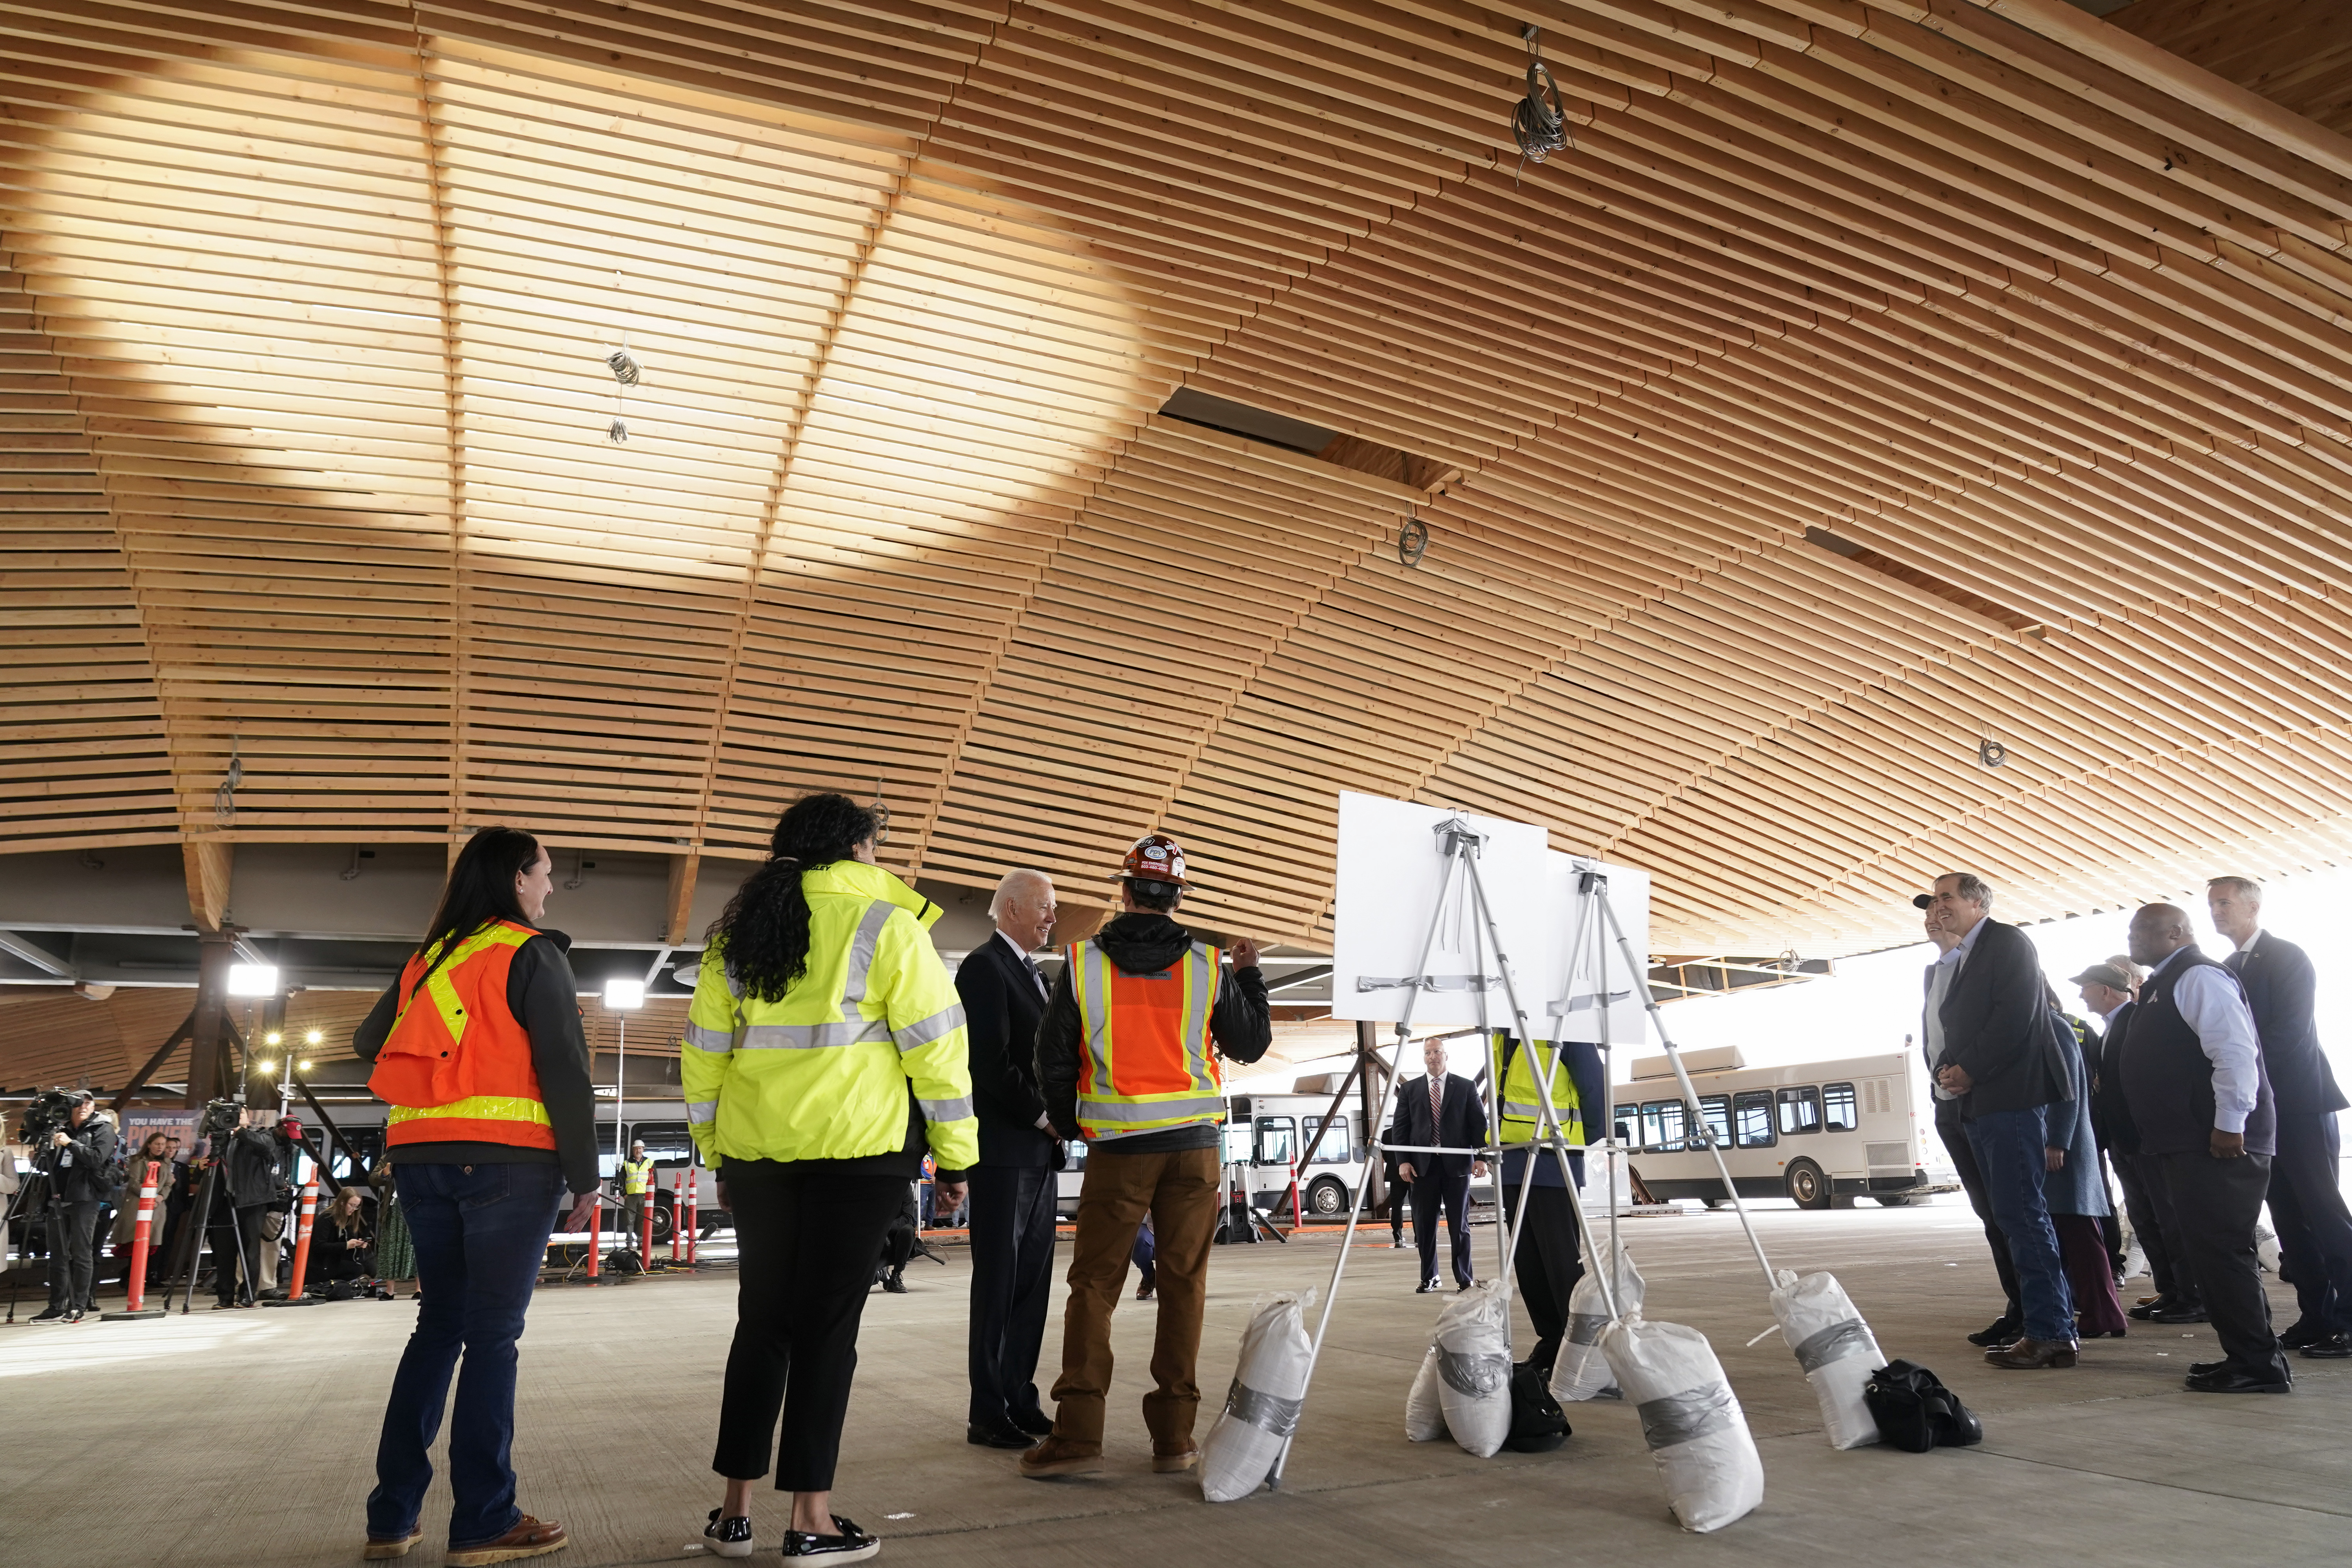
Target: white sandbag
[(1582, 1371), (2266, 1250), (1690, 1419), (1836, 1349), (1261, 1406), (1474, 1368), (1424, 1411)]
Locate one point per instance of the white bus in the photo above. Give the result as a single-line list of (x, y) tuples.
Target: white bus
[(1822, 1133)]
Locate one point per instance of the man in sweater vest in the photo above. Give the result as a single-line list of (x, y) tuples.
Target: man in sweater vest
[(2192, 1070)]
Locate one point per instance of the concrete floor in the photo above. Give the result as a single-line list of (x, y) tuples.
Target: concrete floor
[(245, 1439)]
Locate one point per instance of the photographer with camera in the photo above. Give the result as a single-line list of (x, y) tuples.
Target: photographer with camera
[(254, 1192), (77, 1158)]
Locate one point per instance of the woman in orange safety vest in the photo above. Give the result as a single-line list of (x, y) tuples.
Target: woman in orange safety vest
[(480, 1055)]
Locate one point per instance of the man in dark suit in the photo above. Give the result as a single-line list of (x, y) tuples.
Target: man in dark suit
[(2306, 1199), (2106, 991), (1441, 1110), (1012, 1193), (2007, 1328), (1994, 1048), (2208, 1125)]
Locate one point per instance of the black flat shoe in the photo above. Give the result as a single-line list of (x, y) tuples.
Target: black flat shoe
[(2336, 1348), (896, 1284), (2305, 1333), (1005, 1437), (1424, 1287), (1036, 1423), (852, 1545), (2207, 1368), (728, 1537), (2001, 1332), (2230, 1380), (2177, 1315)]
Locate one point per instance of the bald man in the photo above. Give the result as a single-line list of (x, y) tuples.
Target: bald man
[(1003, 994), (2201, 1104)]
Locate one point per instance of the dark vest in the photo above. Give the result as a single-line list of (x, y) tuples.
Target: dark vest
[(2169, 1083)]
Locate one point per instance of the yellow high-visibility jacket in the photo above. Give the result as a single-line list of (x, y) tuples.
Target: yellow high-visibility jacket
[(824, 1073)]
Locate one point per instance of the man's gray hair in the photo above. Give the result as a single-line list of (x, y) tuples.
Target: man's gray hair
[(2245, 887), (1971, 887), (1009, 886)]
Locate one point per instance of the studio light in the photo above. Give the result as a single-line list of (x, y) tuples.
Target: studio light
[(313, 1038), (625, 995), (272, 1038), (253, 980), (301, 1067)]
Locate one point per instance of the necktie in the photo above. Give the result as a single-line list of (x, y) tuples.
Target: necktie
[(2236, 960), (1036, 975), (1436, 1099)]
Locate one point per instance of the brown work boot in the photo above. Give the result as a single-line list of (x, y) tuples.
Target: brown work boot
[(1165, 1460), (529, 1538), (380, 1548), (1062, 1456), (2032, 1355)]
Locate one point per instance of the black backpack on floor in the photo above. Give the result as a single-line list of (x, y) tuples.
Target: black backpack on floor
[(1915, 1412), (1538, 1424)]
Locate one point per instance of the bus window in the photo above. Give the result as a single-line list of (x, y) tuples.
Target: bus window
[(1716, 1110), (1838, 1111), (1628, 1121), (1751, 1116), (1801, 1109), (1276, 1140), (1074, 1154), (1662, 1125), (1333, 1149), (1237, 1142)]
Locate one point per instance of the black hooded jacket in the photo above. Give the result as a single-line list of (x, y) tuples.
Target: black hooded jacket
[(1143, 943), (78, 1172)]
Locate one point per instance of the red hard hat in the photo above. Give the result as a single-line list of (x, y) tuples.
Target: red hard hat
[(1154, 858)]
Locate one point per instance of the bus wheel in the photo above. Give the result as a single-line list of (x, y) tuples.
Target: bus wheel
[(1807, 1185), (1897, 1200), (1327, 1199)]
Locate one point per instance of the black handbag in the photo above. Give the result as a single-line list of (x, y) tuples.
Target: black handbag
[(1915, 1412), (1538, 1423)]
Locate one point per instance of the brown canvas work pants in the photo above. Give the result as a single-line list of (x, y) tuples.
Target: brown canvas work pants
[(1180, 1191)]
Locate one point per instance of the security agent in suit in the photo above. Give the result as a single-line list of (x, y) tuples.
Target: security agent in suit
[(2193, 1075), (1954, 1134), (2315, 1229), (1012, 1188), (2105, 990), (1440, 1181)]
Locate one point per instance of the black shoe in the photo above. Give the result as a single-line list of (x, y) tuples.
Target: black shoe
[(895, 1283), (1036, 1423), (2337, 1347), (2227, 1379), (2207, 1368), (1463, 1285), (2305, 1333), (75, 1315), (852, 1545), (2189, 1313), (1005, 1437), (54, 1315), (1425, 1287), (728, 1537), (2000, 1333)]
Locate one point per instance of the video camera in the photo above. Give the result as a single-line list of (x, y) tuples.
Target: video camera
[(221, 1117), (50, 1111)]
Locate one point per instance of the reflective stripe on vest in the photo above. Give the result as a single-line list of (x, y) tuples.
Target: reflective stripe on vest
[(1523, 1099), (456, 1066), (634, 1173), (1147, 1064)]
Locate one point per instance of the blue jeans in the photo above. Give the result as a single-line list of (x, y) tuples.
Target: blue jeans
[(481, 1234), (2008, 1145)]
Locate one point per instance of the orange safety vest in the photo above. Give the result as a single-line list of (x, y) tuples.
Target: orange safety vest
[(1148, 1064), (457, 1067)]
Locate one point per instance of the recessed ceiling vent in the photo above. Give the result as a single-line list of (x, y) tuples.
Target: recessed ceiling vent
[(1862, 556), (1299, 436)]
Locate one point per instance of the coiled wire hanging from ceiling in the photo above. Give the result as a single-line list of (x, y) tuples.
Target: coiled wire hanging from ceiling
[(1538, 125)]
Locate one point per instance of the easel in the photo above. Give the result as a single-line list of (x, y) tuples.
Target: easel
[(1458, 844)]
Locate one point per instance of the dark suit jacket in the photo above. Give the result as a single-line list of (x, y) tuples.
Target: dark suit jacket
[(1463, 1123), (2281, 987), (1997, 1027), (2110, 1113), (1001, 1008)]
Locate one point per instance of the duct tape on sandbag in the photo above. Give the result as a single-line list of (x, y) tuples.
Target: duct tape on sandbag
[(1266, 1412), (1835, 1342), (1476, 1375), (1584, 1328), (1686, 1417)]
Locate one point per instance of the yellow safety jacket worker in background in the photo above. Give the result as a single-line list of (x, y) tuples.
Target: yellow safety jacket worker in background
[(823, 1072), (1522, 1110), (634, 1173)]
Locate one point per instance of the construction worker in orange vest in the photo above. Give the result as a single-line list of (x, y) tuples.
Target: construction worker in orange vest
[(1128, 1055)]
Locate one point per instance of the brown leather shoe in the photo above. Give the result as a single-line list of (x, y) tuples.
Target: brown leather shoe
[(1062, 1456), (529, 1538), (1166, 1462), (380, 1548), (2032, 1355)]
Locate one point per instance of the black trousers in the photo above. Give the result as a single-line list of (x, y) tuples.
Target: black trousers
[(73, 1239), (808, 1235), (1433, 1191), (2217, 1203), (2155, 1224), (2315, 1230), (1955, 1134), (1549, 1264), (1012, 1289)]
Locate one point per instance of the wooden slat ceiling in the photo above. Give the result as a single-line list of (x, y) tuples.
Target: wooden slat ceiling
[(1864, 383)]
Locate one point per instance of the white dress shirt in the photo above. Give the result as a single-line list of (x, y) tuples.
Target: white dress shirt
[(1940, 976), (2214, 1004)]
